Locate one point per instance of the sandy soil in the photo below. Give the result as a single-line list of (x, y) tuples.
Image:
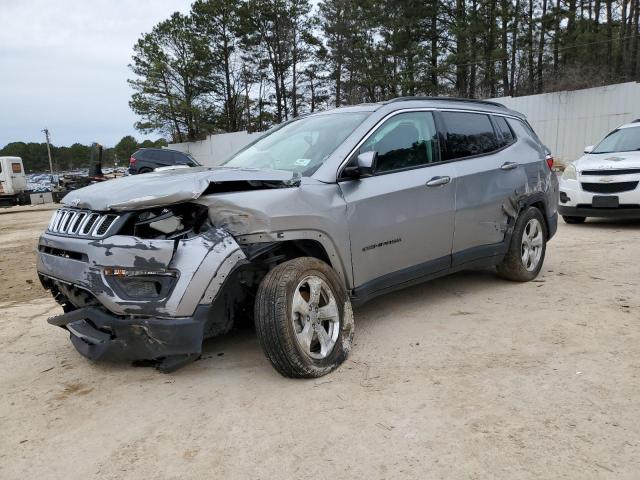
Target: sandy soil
[(19, 231), (467, 377)]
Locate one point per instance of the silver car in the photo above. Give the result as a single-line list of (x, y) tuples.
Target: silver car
[(319, 214)]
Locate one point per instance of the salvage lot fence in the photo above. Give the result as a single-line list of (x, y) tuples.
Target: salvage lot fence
[(570, 120), (215, 149), (566, 122)]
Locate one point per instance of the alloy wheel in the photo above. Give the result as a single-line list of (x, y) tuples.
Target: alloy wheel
[(315, 316), (532, 243)]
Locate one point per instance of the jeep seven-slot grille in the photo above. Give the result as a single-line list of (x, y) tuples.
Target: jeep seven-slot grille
[(616, 187), (81, 223)]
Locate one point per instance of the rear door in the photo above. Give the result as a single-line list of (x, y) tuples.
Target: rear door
[(18, 177), (401, 219), (489, 174)]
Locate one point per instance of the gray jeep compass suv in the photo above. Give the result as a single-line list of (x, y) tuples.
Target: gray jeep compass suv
[(321, 213)]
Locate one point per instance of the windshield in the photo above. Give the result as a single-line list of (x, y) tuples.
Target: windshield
[(300, 146), (622, 140)]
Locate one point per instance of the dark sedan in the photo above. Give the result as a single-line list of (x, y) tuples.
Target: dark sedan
[(148, 159)]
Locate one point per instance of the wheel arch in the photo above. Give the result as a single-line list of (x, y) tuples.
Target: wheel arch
[(538, 201), (289, 245)]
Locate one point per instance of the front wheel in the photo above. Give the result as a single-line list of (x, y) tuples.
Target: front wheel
[(527, 249), (303, 317), (573, 220)]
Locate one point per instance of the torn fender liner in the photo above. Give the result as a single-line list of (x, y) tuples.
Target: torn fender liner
[(157, 189), (97, 334)]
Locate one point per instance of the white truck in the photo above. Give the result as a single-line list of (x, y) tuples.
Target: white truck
[(13, 182)]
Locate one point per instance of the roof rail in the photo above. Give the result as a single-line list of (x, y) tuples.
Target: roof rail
[(452, 99)]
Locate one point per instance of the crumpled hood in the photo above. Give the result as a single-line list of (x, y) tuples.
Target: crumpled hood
[(156, 189), (606, 161)]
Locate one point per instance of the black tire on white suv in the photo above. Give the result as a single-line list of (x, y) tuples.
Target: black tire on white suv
[(573, 220)]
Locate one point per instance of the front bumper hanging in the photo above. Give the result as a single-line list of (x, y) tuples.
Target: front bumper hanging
[(99, 335), (104, 324)]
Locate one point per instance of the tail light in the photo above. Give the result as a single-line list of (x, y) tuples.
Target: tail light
[(132, 161), (549, 160)]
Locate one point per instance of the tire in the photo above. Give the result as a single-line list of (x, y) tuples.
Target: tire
[(573, 220), (517, 265), (144, 170), (289, 322)]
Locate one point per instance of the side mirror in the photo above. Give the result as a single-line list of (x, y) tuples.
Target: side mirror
[(365, 166), (588, 149)]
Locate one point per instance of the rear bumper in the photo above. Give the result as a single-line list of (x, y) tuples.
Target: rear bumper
[(99, 335), (584, 211)]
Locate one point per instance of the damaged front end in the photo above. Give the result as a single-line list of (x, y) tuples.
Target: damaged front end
[(141, 285)]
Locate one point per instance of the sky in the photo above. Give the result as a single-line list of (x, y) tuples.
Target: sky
[(64, 66)]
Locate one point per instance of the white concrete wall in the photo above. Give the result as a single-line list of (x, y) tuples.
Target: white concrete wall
[(568, 121), (565, 121), (216, 148)]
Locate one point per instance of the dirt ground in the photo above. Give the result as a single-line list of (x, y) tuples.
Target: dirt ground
[(466, 377)]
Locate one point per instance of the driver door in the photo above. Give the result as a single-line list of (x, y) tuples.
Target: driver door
[(401, 218)]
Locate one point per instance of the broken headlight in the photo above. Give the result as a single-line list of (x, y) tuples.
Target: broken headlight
[(170, 223)]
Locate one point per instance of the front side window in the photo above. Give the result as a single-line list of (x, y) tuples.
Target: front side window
[(301, 146), (406, 140), (621, 140), (469, 134)]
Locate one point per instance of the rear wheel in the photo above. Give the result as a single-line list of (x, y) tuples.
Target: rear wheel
[(525, 256), (144, 170), (303, 318), (572, 220)]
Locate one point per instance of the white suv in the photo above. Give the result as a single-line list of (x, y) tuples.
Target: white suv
[(604, 181)]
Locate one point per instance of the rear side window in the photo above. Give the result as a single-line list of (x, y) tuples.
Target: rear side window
[(159, 156), (504, 131), (468, 134)]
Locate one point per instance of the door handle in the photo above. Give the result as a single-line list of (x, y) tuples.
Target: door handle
[(437, 181), (509, 166)]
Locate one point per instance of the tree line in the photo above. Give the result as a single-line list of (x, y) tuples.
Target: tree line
[(232, 65), (35, 157)]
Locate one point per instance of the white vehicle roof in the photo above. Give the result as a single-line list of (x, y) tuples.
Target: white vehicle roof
[(635, 123)]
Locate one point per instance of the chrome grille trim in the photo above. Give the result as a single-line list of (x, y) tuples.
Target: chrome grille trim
[(81, 223)]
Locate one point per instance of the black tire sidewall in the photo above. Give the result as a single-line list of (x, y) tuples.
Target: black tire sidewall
[(511, 267), (571, 220), (275, 327)]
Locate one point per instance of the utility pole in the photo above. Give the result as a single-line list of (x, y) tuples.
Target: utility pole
[(46, 134)]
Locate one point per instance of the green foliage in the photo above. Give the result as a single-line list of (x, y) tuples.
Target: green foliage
[(247, 64), (125, 148), (35, 158), (172, 65)]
